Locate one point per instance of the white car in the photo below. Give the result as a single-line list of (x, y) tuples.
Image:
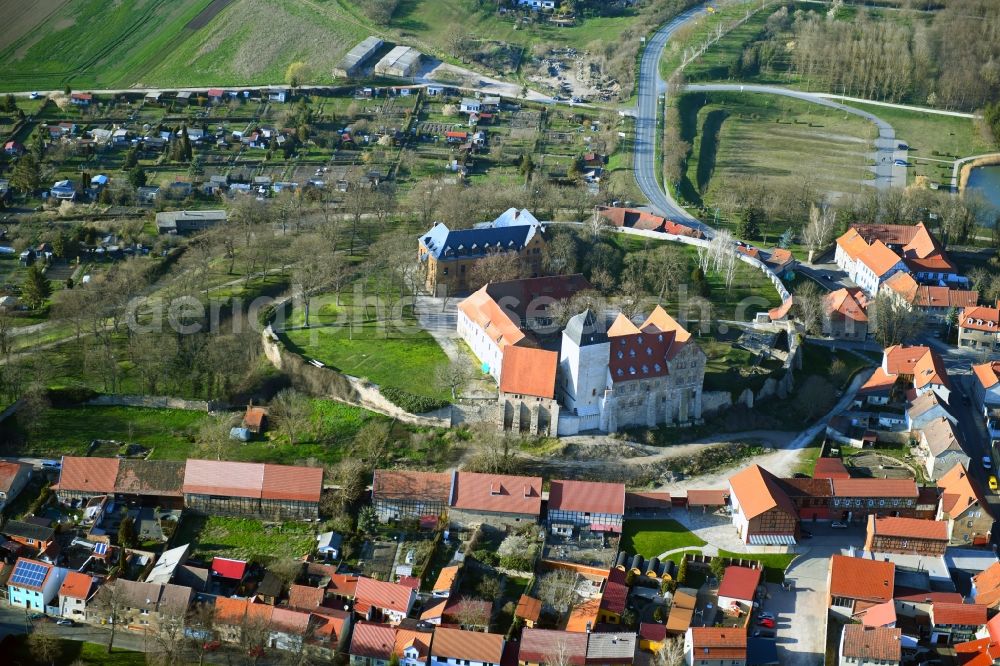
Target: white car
[(987, 462), (838, 525)]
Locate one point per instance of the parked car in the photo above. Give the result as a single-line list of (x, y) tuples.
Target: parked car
[(902, 163), (902, 146), (993, 483), (767, 623), (51, 464), (65, 622), (765, 616), (837, 525), (987, 462)]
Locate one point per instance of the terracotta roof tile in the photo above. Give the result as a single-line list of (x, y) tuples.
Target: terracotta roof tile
[(987, 585), (76, 585), (285, 482), (703, 497), (911, 528), (373, 640), (214, 477), (406, 484), (880, 615), (529, 371), (446, 579), (380, 594), (587, 497), (528, 608), (718, 643), (980, 318), (852, 243), (305, 597), (498, 493), (9, 471), (468, 645), (541, 646), (973, 615), (848, 303), (875, 488), (872, 643), (830, 468), (988, 374), (758, 491), (858, 578), (632, 218), (90, 475)]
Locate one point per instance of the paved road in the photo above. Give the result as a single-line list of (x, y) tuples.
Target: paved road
[(646, 116), (887, 174)]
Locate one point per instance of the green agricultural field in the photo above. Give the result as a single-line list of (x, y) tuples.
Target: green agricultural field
[(242, 538), (650, 538)]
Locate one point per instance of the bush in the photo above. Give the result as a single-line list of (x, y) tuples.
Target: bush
[(415, 404), (487, 557), (516, 562), (70, 396), (682, 572)]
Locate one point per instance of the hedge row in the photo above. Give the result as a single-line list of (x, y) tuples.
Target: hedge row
[(415, 404)]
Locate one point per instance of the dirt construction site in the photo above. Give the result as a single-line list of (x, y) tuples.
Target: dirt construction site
[(571, 74)]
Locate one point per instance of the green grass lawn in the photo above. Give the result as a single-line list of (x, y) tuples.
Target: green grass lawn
[(72, 652), (242, 538), (774, 563), (649, 538), (69, 431), (772, 139)]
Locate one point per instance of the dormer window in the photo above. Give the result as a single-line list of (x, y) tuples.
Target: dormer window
[(660, 337), (639, 339), (631, 370), (495, 489), (622, 342), (621, 354), (649, 351)]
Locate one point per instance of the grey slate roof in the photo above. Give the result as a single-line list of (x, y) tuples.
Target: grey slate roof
[(585, 329)]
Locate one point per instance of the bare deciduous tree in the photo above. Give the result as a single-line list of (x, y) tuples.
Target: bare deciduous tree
[(292, 412), (672, 653), (497, 266), (452, 376), (893, 320), (557, 589), (818, 233), (808, 304)]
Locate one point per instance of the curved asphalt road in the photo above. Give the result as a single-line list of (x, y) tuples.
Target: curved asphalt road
[(647, 114)]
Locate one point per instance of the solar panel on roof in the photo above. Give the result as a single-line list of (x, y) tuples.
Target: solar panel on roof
[(101, 549), (29, 574)]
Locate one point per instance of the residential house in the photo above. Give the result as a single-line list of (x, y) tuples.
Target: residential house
[(906, 536), (986, 587), (868, 265), (409, 495), (628, 375), (925, 409), (854, 499), (73, 595), (682, 610), (856, 583), (545, 647), (34, 535), (513, 313), (936, 302), (632, 218), (715, 646), (739, 588), (145, 605), (81, 99), (812, 497), (494, 499), (761, 511), (956, 622), (861, 645), (916, 366), (450, 257), (964, 507), (830, 468), (281, 492), (595, 505), (457, 647), (984, 651), (942, 448), (151, 483), (444, 585), (528, 610), (781, 261), (168, 563), (84, 478), (377, 600), (986, 389), (328, 545), (914, 245), (527, 391), (845, 314), (652, 636), (613, 598), (611, 648), (978, 328), (34, 585), (375, 644)]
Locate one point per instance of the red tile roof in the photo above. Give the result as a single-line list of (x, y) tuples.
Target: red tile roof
[(380, 594), (469, 645), (227, 568), (284, 482), (290, 621), (707, 497), (642, 352), (988, 374), (305, 597), (875, 488), (980, 318), (528, 608), (529, 371), (9, 471), (587, 497), (858, 578), (740, 583), (647, 500), (719, 643), (880, 644), (879, 258), (541, 646), (852, 243), (632, 218), (848, 303), (254, 480), (89, 475), (973, 615), (615, 593), (254, 417), (230, 611), (880, 615), (830, 468), (407, 484), (960, 492), (987, 584), (76, 585), (373, 640), (911, 528), (497, 325), (652, 631), (498, 493)]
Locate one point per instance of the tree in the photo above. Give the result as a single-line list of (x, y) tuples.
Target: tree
[(10, 103), (110, 603), (561, 254), (126, 532), (137, 176), (672, 653), (598, 225), (292, 412), (808, 307), (748, 223), (312, 272), (452, 376), (814, 397), (168, 639), (497, 451), (44, 644), (36, 288), (786, 239), (367, 519), (527, 165), (496, 266), (26, 176), (297, 74), (818, 233), (557, 589), (201, 629), (372, 442), (893, 320), (352, 477), (718, 567), (667, 265), (213, 439), (489, 588)]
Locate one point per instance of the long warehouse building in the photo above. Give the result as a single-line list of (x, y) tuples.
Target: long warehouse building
[(354, 62), (402, 61)]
